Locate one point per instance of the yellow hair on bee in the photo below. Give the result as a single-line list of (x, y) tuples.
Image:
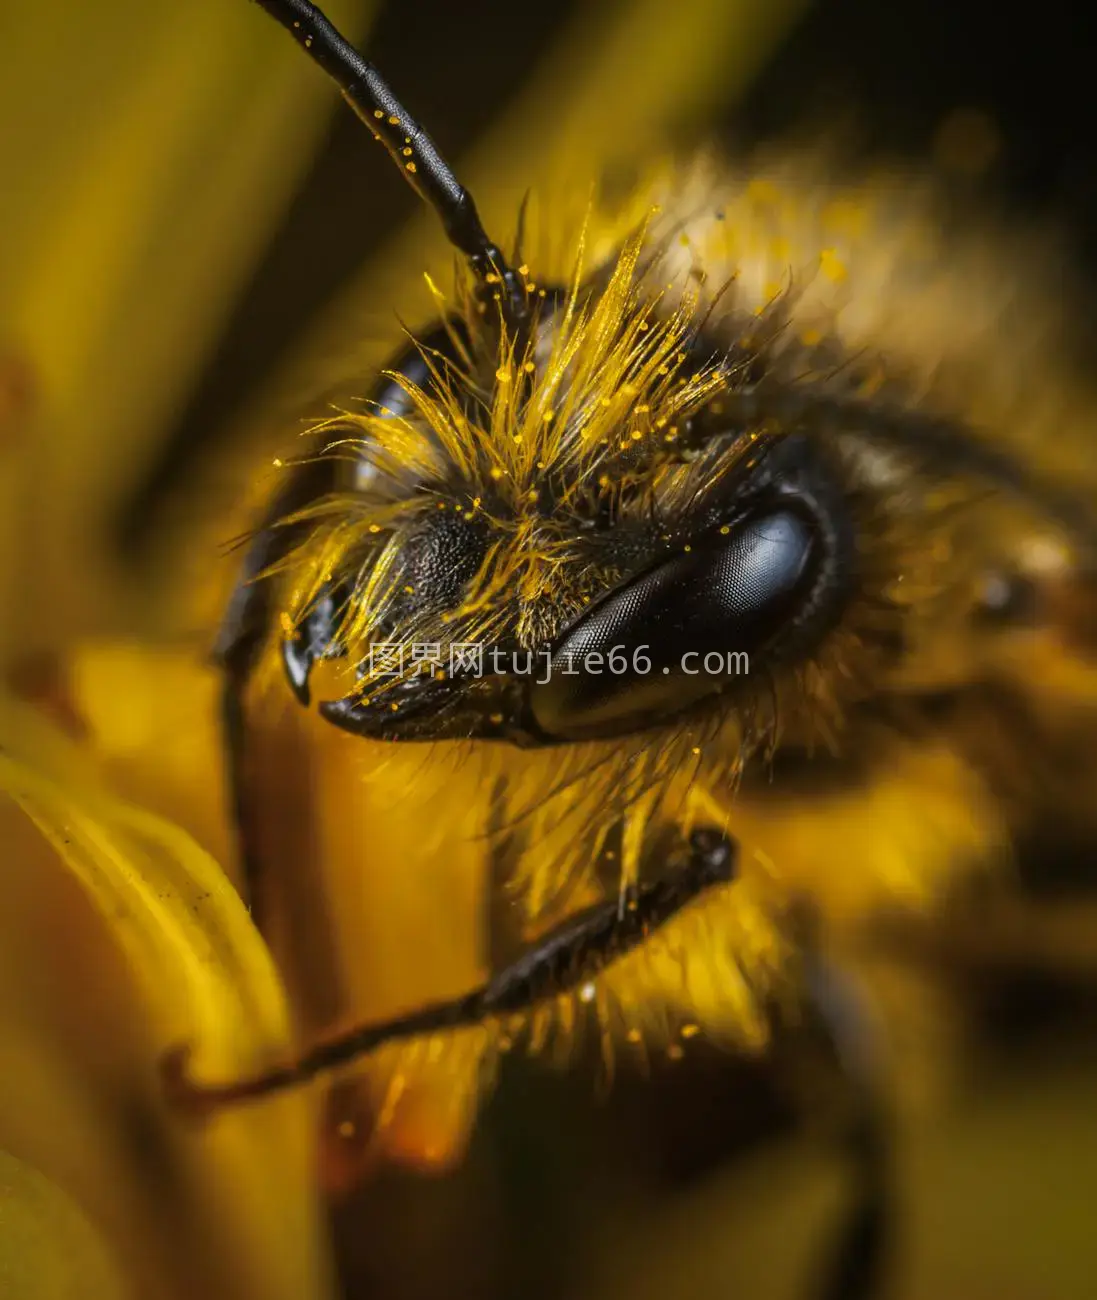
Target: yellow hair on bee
[(589, 389), (859, 293)]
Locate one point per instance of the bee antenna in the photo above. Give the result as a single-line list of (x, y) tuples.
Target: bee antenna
[(413, 151), (520, 232)]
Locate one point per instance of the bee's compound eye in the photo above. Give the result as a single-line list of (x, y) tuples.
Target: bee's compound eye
[(685, 630)]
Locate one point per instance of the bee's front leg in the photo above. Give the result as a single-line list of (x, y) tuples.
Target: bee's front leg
[(567, 957), (241, 639)]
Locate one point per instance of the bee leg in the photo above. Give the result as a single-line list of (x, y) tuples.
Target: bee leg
[(240, 641), (859, 1254), (566, 958)]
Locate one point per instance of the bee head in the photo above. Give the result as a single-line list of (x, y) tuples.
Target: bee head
[(578, 532)]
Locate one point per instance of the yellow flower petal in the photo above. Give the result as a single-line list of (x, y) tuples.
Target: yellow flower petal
[(119, 938), (49, 1250)]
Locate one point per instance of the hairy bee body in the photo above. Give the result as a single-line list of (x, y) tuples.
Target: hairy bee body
[(886, 748)]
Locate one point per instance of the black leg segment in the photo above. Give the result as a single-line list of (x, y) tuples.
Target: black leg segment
[(570, 955)]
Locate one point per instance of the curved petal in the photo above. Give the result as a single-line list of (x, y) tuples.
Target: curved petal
[(49, 1250), (119, 938)]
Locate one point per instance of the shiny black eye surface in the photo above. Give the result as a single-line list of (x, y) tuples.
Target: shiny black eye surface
[(688, 629)]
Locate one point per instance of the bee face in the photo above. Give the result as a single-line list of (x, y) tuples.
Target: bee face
[(654, 557), (587, 497)]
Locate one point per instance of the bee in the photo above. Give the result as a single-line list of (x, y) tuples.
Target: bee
[(718, 585)]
